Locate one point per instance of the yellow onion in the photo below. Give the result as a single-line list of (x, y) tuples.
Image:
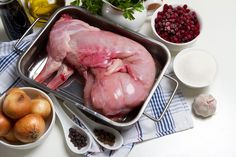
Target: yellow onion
[(16, 104), (41, 106), (10, 136), (5, 125), (29, 128)]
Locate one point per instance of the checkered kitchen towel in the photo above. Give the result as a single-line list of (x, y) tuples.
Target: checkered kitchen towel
[(177, 117)]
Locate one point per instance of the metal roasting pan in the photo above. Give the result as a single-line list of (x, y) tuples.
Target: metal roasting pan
[(34, 58)]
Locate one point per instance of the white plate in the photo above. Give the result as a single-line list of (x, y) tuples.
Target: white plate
[(195, 67)]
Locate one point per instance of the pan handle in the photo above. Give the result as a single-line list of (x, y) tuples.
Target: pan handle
[(26, 33), (168, 103)]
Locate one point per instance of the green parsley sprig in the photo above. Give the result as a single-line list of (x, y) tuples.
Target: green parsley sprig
[(127, 6)]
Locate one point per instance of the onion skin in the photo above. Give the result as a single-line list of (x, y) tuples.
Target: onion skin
[(10, 136), (41, 106), (5, 125), (29, 128), (13, 90), (16, 104)]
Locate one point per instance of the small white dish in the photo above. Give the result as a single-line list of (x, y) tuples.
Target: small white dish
[(92, 125), (195, 67), (115, 14), (67, 123), (32, 93)]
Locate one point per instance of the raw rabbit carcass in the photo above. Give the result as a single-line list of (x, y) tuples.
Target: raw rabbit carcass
[(118, 71)]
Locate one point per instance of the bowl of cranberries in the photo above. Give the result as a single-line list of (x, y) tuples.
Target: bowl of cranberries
[(177, 26)]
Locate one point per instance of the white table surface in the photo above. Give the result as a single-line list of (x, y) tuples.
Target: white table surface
[(212, 137)]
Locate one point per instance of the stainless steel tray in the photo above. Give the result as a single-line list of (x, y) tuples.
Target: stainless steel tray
[(33, 59)]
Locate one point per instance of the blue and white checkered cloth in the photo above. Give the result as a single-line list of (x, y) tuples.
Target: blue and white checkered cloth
[(177, 118)]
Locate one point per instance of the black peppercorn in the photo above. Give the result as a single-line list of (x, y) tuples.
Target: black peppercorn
[(105, 137), (77, 138)]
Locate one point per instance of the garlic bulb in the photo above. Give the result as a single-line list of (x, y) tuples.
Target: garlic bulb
[(204, 105)]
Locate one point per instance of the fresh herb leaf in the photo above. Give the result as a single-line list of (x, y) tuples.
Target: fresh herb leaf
[(127, 6), (130, 8), (94, 6), (75, 3), (128, 14)]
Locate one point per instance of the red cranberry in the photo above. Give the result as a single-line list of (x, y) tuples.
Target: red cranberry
[(177, 24)]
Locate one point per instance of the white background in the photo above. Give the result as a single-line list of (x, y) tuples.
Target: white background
[(212, 137)]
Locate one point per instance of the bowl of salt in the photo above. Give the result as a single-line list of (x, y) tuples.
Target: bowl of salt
[(196, 68)]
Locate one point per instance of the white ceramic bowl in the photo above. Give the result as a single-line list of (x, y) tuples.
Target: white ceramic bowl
[(171, 45), (115, 14), (195, 68), (33, 92)]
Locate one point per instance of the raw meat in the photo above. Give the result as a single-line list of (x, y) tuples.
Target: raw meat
[(119, 72)]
